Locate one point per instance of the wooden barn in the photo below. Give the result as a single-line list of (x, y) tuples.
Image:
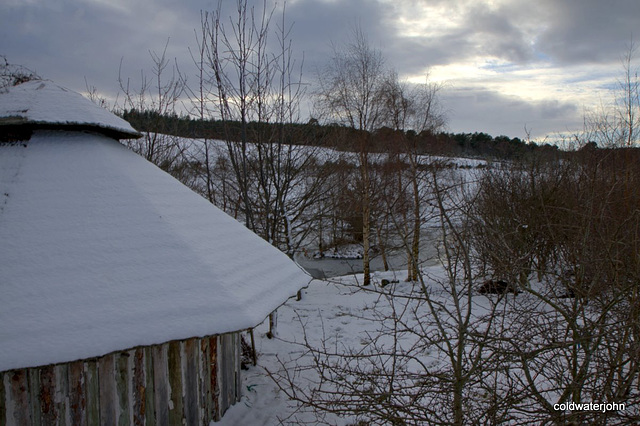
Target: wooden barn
[(122, 292)]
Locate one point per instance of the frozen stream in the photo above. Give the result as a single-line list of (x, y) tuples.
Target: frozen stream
[(397, 259)]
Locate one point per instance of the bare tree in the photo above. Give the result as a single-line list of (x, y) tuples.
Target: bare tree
[(441, 353), (629, 101), (430, 359), (617, 124), (572, 333), (254, 87), (155, 99), (350, 94), (414, 108)]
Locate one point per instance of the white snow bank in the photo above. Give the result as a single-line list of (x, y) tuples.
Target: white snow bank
[(102, 251)]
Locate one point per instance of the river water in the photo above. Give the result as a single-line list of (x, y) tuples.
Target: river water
[(397, 259)]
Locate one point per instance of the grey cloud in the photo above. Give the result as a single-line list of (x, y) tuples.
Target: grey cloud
[(497, 35), (68, 41), (317, 24), (473, 109), (588, 31), (524, 31), (73, 39), (413, 56)]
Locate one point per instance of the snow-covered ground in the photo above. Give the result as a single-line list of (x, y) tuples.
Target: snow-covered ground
[(336, 310), (339, 315), (327, 307)]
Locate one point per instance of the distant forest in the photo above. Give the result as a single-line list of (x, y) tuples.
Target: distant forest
[(385, 139)]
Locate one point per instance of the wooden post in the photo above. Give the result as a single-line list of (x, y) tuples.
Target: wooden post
[(206, 396), (176, 409), (122, 388), (215, 388), (77, 394), (61, 395), (139, 388), (107, 384), (254, 355), (237, 383), (3, 401), (161, 385), (19, 396), (34, 389), (47, 392), (273, 325), (149, 408), (93, 393), (190, 385), (224, 371)]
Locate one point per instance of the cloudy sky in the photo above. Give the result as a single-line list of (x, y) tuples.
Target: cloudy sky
[(505, 64)]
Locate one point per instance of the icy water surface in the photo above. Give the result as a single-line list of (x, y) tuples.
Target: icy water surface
[(397, 259)]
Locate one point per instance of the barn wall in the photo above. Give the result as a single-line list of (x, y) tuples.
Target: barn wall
[(190, 382)]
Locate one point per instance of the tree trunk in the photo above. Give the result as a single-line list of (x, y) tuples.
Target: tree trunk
[(415, 246), (366, 219), (383, 251)]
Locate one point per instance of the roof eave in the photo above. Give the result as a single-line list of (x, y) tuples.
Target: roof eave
[(13, 124)]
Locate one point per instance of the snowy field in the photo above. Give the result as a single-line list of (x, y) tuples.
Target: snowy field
[(340, 316), (329, 308), (339, 312)]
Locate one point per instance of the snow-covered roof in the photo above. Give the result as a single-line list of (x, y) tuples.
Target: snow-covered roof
[(44, 104), (102, 251)]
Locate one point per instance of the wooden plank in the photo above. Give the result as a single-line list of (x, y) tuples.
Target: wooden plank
[(122, 388), (236, 366), (3, 400), (204, 373), (47, 395), (61, 394), (108, 403), (34, 390), (222, 373), (149, 406), (233, 389), (138, 387), (19, 398), (190, 383), (161, 384), (231, 369), (215, 388), (77, 393), (92, 385), (226, 373), (176, 409)]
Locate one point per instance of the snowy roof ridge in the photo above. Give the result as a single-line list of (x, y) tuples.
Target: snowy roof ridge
[(42, 104)]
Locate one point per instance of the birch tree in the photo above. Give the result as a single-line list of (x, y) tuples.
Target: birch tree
[(415, 108), (350, 94)]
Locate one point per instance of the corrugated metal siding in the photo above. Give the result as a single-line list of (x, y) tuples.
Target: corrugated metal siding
[(190, 382)]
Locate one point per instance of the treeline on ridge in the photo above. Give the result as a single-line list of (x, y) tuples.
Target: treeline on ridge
[(338, 137)]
